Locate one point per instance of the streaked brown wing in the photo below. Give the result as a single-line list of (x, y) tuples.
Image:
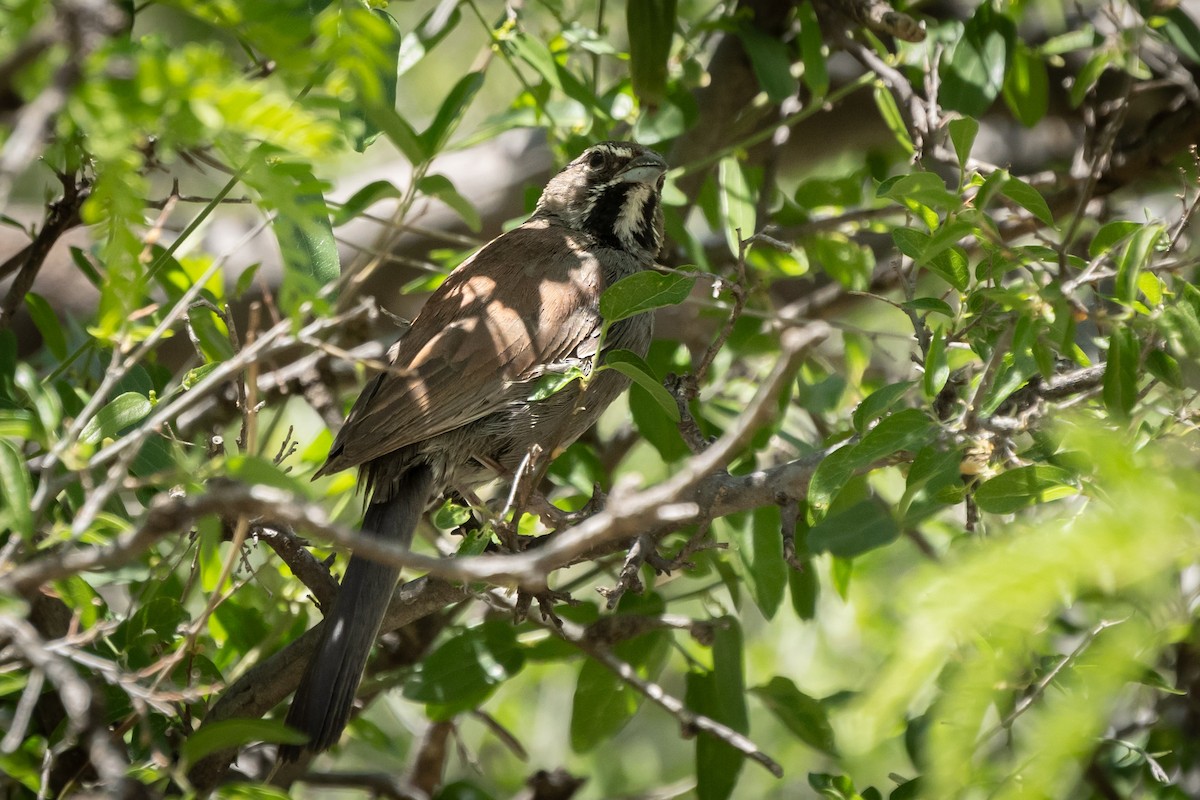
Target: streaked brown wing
[(495, 321)]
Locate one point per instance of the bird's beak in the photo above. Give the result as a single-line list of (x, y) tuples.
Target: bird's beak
[(646, 168)]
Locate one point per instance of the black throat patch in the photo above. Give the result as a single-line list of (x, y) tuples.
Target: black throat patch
[(622, 215)]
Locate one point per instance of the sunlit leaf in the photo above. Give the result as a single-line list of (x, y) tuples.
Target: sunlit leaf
[(737, 204), (859, 529), (643, 291), (233, 733), (17, 490), (123, 411), (962, 136), (812, 50), (632, 366), (800, 713), (650, 25), (1022, 487), (1121, 372), (719, 694), (771, 61)]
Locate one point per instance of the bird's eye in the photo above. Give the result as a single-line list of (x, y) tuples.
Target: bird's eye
[(596, 160)]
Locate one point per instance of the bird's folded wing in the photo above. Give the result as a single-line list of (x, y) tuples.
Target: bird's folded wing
[(525, 302)]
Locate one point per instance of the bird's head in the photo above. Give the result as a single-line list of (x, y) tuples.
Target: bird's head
[(611, 191)]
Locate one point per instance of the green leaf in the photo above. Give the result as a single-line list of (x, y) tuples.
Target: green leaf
[(1026, 85), (1152, 287), (16, 488), (603, 703), (1028, 198), (44, 399), (650, 25), (801, 714), (363, 199), (84, 264), (1134, 258), (1089, 73), (254, 470), (1022, 487), (18, 423), (835, 787), (234, 733), (303, 230), (803, 584), (932, 305), (878, 403), (450, 515), (863, 527), (906, 430), (892, 118), (812, 51), (920, 188), (1085, 37), (536, 54), (1165, 367), (257, 791), (432, 28), (770, 60), (1181, 31), (910, 241), (843, 259), (721, 695), (450, 112), (837, 192), (245, 279), (641, 292), (552, 383), (737, 204), (439, 186), (937, 366), (384, 92), (211, 333), (194, 376), (633, 366), (123, 411), (1110, 235), (962, 135), (945, 258), (973, 75), (932, 471), (463, 671), (398, 131), (758, 541), (1120, 388), (47, 324)]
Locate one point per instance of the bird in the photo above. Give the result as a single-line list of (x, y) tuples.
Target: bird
[(460, 402)]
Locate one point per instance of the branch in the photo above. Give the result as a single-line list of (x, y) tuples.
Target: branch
[(379, 784), (84, 708), (596, 647), (61, 216), (880, 17), (268, 683), (80, 26)]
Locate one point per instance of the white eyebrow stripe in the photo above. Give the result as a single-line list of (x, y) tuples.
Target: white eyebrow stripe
[(619, 152)]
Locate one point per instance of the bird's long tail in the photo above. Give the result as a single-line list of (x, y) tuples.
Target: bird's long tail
[(322, 703)]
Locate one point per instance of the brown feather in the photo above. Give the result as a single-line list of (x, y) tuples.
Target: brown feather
[(490, 290)]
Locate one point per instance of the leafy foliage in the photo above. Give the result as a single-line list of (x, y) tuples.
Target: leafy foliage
[(954, 558)]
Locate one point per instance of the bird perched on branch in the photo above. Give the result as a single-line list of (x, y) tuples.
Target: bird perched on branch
[(457, 407)]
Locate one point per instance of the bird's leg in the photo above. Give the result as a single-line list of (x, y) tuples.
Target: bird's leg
[(523, 482), (546, 600)]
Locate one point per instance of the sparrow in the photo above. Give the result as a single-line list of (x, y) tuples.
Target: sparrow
[(457, 406)]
